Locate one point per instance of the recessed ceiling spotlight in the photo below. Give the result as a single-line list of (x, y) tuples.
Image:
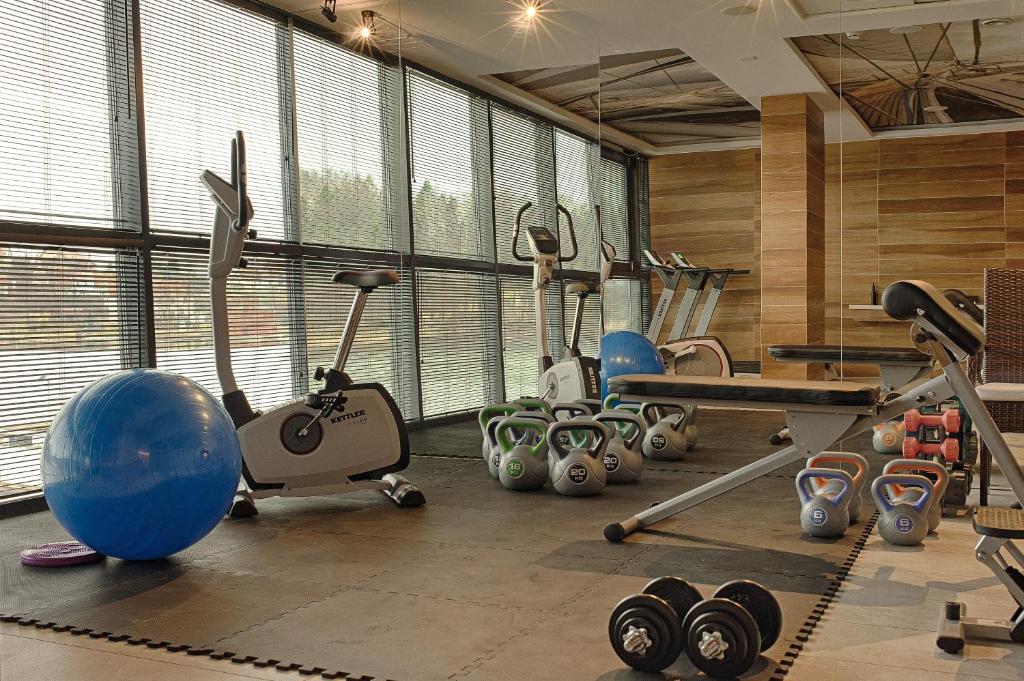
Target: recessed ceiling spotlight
[(853, 35), (740, 10), (749, 57), (903, 30), (935, 109), (998, 21)]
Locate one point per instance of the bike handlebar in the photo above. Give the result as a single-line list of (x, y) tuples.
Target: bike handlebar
[(515, 233), (572, 236), (240, 180), (517, 225)]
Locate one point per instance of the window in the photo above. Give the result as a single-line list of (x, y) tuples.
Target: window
[(615, 208), (458, 332), (450, 171), (65, 109), (71, 316), (623, 310), (347, 185), (210, 69), (524, 168), (519, 338), (576, 170)]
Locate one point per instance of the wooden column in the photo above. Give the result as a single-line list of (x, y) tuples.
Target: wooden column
[(792, 230)]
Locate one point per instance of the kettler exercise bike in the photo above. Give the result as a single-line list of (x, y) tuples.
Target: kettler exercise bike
[(685, 354), (577, 377), (342, 438)]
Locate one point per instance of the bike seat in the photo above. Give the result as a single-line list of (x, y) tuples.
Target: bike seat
[(582, 287), (366, 278)]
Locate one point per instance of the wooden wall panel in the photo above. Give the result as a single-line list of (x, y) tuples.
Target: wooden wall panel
[(708, 207), (935, 208)]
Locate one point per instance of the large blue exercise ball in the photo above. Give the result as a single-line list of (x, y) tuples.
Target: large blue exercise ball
[(627, 352), (141, 464)]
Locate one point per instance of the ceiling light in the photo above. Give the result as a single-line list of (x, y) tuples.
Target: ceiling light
[(530, 11), (935, 109), (903, 30), (853, 35), (740, 10), (998, 21), (329, 10), (366, 29), (749, 57)]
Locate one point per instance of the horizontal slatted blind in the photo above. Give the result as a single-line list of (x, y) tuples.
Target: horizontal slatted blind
[(576, 173), (210, 69), (450, 172), (623, 305), (70, 317), (65, 85), (458, 332), (519, 341), (384, 350), (268, 365), (346, 160), (615, 207), (524, 170)]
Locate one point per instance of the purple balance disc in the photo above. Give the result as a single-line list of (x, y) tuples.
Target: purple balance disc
[(59, 554)]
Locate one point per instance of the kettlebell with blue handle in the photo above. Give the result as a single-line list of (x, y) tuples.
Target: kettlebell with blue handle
[(902, 519), (860, 477), (578, 470), (623, 459), (824, 513), (522, 466), (927, 468)]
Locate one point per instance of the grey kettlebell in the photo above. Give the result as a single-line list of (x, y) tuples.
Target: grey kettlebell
[(666, 438), (612, 401), (522, 466), (532, 404), (623, 459), (578, 470), (825, 513), (902, 519), (927, 468), (887, 437), (860, 477), (489, 447)]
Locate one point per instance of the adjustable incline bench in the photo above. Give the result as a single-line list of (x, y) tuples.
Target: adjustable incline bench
[(821, 412)]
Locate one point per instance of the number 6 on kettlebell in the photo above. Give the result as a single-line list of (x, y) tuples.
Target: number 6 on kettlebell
[(825, 513), (903, 520), (577, 470)]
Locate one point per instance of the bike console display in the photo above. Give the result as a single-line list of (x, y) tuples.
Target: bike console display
[(543, 240)]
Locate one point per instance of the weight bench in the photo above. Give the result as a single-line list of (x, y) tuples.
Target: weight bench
[(896, 366), (821, 412)]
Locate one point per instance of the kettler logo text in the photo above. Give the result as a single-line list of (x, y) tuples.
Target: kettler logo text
[(349, 416)]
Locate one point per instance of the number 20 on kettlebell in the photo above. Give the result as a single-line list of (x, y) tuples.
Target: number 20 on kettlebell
[(577, 469)]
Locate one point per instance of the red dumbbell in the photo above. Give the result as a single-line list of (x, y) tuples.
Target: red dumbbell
[(933, 435)]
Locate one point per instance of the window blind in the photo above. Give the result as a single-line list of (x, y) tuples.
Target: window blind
[(590, 329), (622, 304), (348, 192), (576, 174), (458, 332), (615, 208), (68, 116), (210, 69), (450, 171), (71, 316), (519, 340), (524, 170), (269, 365)]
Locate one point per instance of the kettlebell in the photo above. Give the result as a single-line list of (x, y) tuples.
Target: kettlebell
[(623, 459), (860, 477), (902, 520), (532, 404), (666, 438), (928, 469), (489, 446), (612, 401), (522, 466), (827, 513), (888, 437), (578, 470)]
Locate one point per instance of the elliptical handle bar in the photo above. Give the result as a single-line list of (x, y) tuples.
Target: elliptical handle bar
[(515, 233), (572, 235), (240, 181)]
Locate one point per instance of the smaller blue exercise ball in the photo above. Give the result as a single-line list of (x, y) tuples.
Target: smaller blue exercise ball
[(627, 352), (141, 464)]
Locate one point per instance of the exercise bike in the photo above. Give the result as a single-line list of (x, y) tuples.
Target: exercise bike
[(686, 354), (342, 438), (577, 377)]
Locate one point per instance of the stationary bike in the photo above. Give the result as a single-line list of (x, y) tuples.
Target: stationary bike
[(577, 377), (342, 438)]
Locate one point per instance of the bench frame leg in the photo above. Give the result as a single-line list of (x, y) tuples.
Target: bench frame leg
[(820, 428)]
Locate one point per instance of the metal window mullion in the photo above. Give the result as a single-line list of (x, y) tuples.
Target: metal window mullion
[(502, 393)]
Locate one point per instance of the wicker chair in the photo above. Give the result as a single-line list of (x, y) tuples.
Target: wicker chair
[(1003, 359)]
